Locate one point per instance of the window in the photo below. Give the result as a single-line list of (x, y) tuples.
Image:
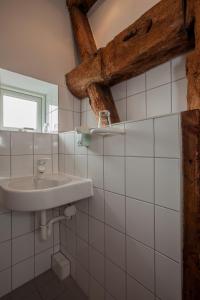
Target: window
[(21, 110)]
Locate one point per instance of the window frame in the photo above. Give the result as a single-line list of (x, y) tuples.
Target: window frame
[(40, 99)]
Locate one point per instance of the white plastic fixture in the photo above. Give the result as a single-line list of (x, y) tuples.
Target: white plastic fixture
[(42, 193), (106, 131), (35, 194)]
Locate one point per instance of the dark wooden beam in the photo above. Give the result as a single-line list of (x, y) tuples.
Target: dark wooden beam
[(191, 189), (193, 59), (158, 36), (82, 33), (100, 95), (84, 5)]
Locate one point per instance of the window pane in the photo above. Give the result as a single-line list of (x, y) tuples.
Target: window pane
[(19, 113)]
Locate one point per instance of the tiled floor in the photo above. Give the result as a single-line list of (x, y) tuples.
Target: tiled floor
[(47, 287)]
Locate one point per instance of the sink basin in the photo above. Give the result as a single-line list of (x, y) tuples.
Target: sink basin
[(34, 194)]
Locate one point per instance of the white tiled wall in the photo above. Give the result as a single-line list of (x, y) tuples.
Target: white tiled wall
[(22, 253), (125, 242), (69, 110), (159, 91)]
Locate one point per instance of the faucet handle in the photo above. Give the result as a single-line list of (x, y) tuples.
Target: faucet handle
[(41, 164), (42, 161)]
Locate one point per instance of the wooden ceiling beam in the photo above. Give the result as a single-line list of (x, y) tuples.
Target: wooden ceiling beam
[(84, 5), (100, 96), (158, 36)]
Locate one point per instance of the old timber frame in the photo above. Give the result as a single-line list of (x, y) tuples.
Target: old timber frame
[(168, 29)]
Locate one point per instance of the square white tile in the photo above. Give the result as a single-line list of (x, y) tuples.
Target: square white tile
[(4, 166), (5, 279), (168, 183), (78, 148), (114, 144), (43, 262), (136, 85), (55, 163), (108, 297), (82, 225), (96, 204), (83, 205), (42, 143), (167, 137), (81, 165), (91, 119), (96, 290), (158, 75), (115, 281), (136, 212), (115, 211), (21, 143), (140, 263), (77, 105), (71, 243), (69, 143), (140, 178), (5, 255), (96, 234), (114, 170), (82, 278), (168, 232), (77, 119), (5, 227), (66, 120), (65, 98), (179, 95), (96, 145), (96, 265), (69, 164), (84, 104), (84, 118), (22, 222), (137, 291), (82, 253), (5, 143), (136, 107), (140, 138), (168, 278), (61, 163), (159, 101), (121, 109), (115, 246), (21, 165), (22, 247), (41, 245), (22, 273), (54, 143), (178, 67), (119, 91), (95, 170)]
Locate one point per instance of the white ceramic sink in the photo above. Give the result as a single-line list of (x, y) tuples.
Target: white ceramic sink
[(33, 194)]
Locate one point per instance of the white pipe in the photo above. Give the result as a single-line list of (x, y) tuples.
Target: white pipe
[(47, 227)]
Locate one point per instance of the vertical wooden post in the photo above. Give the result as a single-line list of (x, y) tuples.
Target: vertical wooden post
[(193, 59), (100, 96), (191, 189)]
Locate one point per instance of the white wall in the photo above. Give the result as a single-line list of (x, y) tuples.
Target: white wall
[(23, 255), (109, 17), (37, 41), (125, 242)]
